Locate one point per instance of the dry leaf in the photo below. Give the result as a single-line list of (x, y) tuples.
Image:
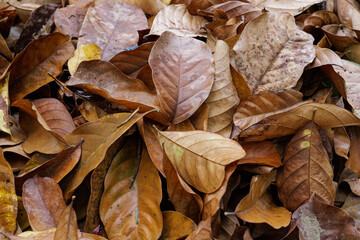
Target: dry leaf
[(44, 203), (112, 26), (176, 19), (178, 73), (258, 206), (200, 157), (317, 220), (351, 206), (67, 228), (8, 199), (29, 70), (223, 97), (176, 226), (202, 232), (261, 153), (292, 7), (306, 170), (354, 151), (340, 36), (349, 13), (132, 213), (85, 52), (151, 7), (108, 129), (325, 56), (272, 52)]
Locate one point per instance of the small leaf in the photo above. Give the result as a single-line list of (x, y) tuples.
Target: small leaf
[(85, 52), (176, 226), (200, 157), (175, 18), (306, 170), (67, 228), (182, 79)]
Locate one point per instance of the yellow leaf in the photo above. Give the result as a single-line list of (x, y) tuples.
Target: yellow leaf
[(86, 52)]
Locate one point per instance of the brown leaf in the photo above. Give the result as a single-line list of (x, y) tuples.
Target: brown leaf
[(107, 25), (242, 87), (272, 52), (132, 213), (349, 13), (317, 220), (200, 157), (67, 228), (202, 232), (352, 52), (176, 19), (292, 7), (261, 153), (176, 225), (197, 5), (85, 52), (223, 97), (354, 151), (44, 203), (212, 200), (341, 142), (4, 104), (258, 107), (29, 70), (258, 207), (131, 61), (306, 170), (178, 74), (351, 206), (340, 36), (8, 199), (98, 137), (69, 19), (325, 56), (151, 7), (37, 26), (106, 80), (286, 123)]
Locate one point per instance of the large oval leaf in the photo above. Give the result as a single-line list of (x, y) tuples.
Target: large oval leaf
[(200, 157), (306, 170), (107, 25), (182, 79), (132, 213), (272, 52)]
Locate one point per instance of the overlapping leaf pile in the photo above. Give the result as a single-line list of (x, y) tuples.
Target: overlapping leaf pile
[(182, 119)]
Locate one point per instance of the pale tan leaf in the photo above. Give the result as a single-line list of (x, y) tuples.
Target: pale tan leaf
[(200, 157), (293, 7), (151, 7), (272, 52), (176, 19), (325, 56), (223, 97), (67, 228)]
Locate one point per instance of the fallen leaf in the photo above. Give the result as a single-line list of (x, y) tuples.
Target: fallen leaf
[(4, 104), (131, 61), (70, 18), (292, 7), (352, 52), (108, 129), (260, 106), (340, 36), (28, 73), (202, 231), (105, 79), (272, 52), (286, 123), (325, 56), (261, 153), (177, 70), (223, 97), (176, 19), (317, 220), (8, 199), (43, 202), (241, 86), (132, 213), (351, 206), (151, 7), (258, 206), (176, 225), (354, 151), (85, 52), (306, 170), (67, 228), (341, 142), (349, 13), (200, 157), (39, 25), (107, 25)]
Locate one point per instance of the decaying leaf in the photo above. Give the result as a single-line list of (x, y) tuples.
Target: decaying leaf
[(258, 206), (293, 7), (107, 25), (261, 153), (178, 73), (176, 19), (200, 157), (274, 57), (317, 220), (67, 227), (176, 225), (85, 52), (306, 170)]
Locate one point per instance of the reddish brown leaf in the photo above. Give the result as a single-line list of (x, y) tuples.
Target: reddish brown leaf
[(261, 153)]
